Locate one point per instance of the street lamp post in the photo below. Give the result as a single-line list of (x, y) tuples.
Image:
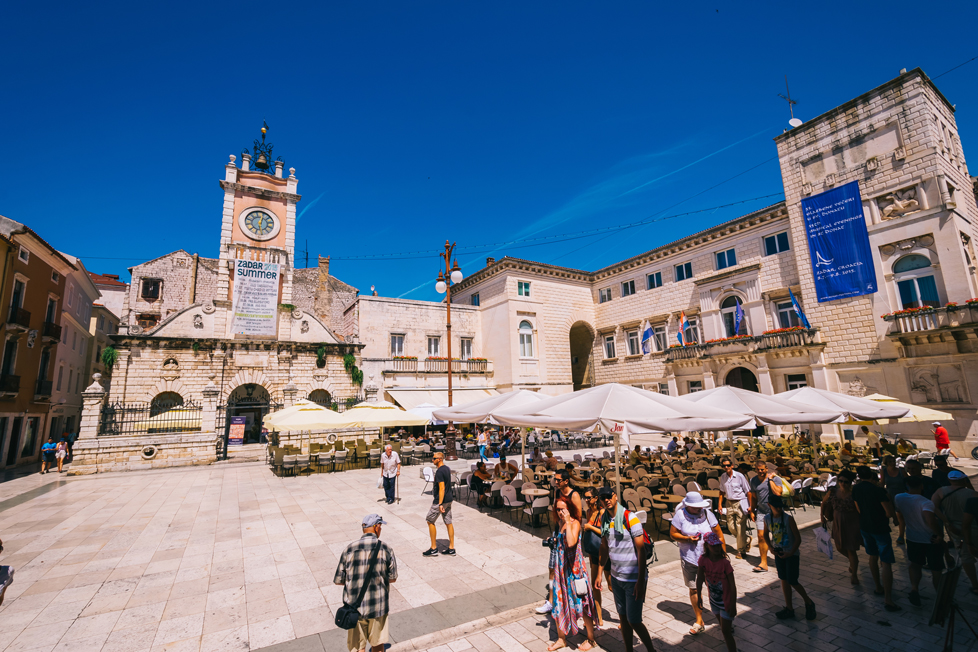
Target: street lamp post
[(446, 280)]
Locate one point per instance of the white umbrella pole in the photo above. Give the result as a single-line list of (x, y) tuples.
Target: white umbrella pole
[(618, 464), (523, 432)]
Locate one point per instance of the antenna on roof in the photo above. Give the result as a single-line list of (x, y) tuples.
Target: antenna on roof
[(794, 122)]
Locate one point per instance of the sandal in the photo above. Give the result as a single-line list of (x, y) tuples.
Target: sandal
[(590, 646), (758, 569), (697, 629), (556, 645)]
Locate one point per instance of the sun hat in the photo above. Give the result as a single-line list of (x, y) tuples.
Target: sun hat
[(371, 520), (696, 499)]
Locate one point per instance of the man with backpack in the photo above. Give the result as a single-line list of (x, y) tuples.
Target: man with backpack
[(366, 570), (625, 543), (762, 487)]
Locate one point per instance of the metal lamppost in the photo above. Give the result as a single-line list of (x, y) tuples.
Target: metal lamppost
[(446, 280)]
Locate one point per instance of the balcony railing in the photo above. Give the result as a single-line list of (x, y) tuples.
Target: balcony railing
[(51, 331), (43, 388), (437, 366), (930, 320), (9, 384), (785, 340), (19, 317)]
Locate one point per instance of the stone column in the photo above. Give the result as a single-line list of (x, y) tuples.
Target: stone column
[(208, 416), (290, 391), (93, 398), (370, 391), (764, 375)]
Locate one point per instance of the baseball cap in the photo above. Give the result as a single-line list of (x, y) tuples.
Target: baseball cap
[(936, 423), (371, 520), (956, 475), (605, 492)]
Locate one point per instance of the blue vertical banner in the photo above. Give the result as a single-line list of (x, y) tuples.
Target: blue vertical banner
[(842, 259)]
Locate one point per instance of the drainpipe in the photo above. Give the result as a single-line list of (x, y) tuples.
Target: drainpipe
[(193, 280)]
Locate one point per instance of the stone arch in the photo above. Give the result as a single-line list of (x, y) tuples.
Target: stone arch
[(247, 377), (164, 401), (163, 385), (312, 385), (749, 380), (580, 337), (724, 311)]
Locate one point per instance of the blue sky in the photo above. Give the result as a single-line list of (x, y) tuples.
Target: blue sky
[(410, 123)]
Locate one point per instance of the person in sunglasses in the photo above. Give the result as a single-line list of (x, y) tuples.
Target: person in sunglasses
[(735, 496)]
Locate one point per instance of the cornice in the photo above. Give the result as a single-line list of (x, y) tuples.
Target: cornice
[(261, 192), (727, 273)]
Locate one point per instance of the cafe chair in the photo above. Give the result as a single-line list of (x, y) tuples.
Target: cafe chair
[(713, 483), (339, 459), (324, 459), (510, 500), (678, 490), (428, 475), (539, 507), (288, 463), (374, 456), (495, 494)]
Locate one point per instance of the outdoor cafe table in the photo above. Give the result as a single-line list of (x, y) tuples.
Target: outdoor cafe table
[(611, 477), (672, 499)]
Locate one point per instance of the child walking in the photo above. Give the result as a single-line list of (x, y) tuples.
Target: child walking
[(783, 538), (716, 571)]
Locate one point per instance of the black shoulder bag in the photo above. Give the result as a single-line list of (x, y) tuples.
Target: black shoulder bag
[(348, 615)]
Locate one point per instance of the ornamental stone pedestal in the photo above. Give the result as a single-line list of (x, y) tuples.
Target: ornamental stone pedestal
[(84, 452)]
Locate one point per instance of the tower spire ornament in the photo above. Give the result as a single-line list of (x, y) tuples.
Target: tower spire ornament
[(262, 155)]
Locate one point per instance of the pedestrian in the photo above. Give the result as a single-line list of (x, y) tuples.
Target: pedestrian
[(913, 467), (941, 469), (949, 505), (673, 445), (60, 453), (366, 570), (895, 482), (715, 570), (569, 604), (390, 470), (565, 491), (623, 544), (969, 527), (442, 506), (782, 536), (692, 521), (872, 442), (922, 536), (591, 540), (875, 513), (47, 455), (735, 490), (839, 508), (762, 488), (942, 440)]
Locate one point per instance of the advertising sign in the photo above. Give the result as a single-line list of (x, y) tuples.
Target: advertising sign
[(842, 259), (255, 298), (237, 431)]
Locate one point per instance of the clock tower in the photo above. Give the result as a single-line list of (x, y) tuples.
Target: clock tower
[(258, 226)]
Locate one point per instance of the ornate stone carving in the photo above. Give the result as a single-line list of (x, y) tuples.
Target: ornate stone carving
[(170, 370), (304, 328), (830, 179), (297, 314), (857, 387), (937, 384), (806, 188), (900, 153), (872, 164), (899, 203), (135, 329), (208, 308), (31, 338), (198, 321)]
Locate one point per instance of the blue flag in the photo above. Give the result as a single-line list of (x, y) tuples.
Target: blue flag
[(798, 311), (739, 317), (647, 339)]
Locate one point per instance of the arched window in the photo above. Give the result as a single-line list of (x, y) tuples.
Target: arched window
[(321, 397), (728, 308), (526, 339), (915, 281), (163, 402)]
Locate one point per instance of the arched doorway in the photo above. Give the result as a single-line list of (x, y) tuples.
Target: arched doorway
[(163, 402), (250, 402), (742, 378), (581, 344), (321, 397)]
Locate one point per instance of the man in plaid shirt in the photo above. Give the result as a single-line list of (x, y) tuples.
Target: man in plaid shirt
[(351, 572)]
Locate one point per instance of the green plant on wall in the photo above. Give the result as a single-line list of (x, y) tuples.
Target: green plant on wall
[(195, 346), (287, 307), (109, 356), (350, 364), (356, 375), (321, 356)]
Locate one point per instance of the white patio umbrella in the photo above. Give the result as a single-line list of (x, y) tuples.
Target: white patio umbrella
[(482, 411), (425, 410), (381, 414), (619, 410), (272, 417)]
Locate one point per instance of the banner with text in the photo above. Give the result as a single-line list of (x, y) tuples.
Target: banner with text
[(255, 298), (842, 259)]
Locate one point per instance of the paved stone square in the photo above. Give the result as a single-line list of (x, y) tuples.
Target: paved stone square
[(231, 557)]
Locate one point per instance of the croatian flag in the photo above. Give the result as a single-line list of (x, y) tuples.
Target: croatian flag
[(683, 327), (798, 311), (739, 317), (646, 338)]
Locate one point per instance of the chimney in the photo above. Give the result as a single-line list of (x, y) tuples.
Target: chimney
[(112, 276), (323, 299), (489, 261)]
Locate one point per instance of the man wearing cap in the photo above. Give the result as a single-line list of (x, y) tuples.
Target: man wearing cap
[(942, 439), (353, 571), (949, 505), (390, 469), (623, 544)]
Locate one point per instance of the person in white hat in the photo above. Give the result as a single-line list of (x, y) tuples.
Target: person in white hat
[(942, 440), (692, 522)]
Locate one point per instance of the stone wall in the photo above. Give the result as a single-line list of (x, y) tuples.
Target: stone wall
[(186, 279), (318, 293), (105, 454)]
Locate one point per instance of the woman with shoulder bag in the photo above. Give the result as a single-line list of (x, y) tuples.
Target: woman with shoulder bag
[(572, 597), (692, 521), (591, 538)]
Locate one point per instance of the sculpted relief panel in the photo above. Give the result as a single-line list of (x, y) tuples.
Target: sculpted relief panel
[(943, 383)]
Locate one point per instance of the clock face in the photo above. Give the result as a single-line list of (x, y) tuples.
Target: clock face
[(259, 223)]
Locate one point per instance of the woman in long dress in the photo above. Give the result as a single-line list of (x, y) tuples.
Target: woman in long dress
[(568, 606), (839, 508)]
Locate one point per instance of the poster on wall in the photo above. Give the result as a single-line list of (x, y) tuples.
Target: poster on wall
[(236, 431), (255, 298), (842, 259)]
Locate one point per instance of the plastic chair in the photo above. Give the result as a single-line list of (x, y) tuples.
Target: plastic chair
[(374, 456), (692, 485), (510, 500), (324, 459), (339, 459), (428, 475), (288, 463), (540, 506), (713, 483), (495, 493), (678, 490), (301, 463)]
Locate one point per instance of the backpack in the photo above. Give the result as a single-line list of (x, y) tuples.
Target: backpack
[(786, 488), (650, 556)]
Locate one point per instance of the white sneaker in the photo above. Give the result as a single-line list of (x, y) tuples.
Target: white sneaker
[(545, 608)]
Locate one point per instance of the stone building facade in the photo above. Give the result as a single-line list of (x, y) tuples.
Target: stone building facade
[(900, 142)]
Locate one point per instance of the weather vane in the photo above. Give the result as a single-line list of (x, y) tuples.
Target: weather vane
[(794, 122), (262, 155)]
